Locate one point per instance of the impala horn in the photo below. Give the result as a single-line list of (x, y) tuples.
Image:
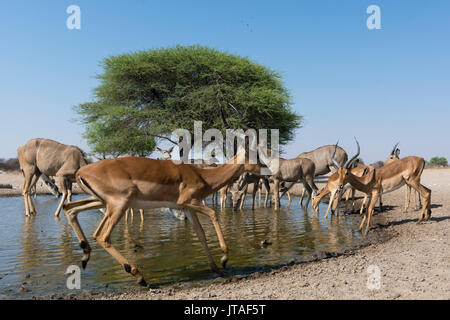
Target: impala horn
[(349, 163), (332, 157), (244, 119), (395, 148), (225, 123)]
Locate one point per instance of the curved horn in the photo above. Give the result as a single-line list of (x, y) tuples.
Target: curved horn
[(245, 120), (348, 164), (395, 147), (223, 119), (332, 157)]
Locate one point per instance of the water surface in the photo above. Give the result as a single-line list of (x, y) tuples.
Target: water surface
[(35, 252)]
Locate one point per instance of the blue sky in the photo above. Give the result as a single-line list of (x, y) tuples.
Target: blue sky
[(382, 86)]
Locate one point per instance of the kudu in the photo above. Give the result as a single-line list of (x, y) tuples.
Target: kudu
[(322, 161), (388, 178), (289, 170), (44, 156)]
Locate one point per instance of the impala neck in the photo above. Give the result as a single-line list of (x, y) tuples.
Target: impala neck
[(364, 183), (222, 175)]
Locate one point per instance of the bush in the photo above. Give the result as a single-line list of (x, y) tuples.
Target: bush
[(438, 162), (9, 165)]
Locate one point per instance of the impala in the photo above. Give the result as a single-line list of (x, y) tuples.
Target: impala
[(240, 188), (395, 155), (118, 184), (386, 179), (332, 187)]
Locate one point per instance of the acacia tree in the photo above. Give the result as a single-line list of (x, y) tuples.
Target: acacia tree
[(144, 96)]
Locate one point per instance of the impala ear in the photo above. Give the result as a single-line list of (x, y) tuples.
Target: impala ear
[(170, 150), (366, 171), (158, 149), (397, 152)]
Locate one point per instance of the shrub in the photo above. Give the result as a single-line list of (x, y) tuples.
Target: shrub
[(438, 162), (9, 165)]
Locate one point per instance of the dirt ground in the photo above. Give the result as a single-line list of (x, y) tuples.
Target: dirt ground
[(414, 263)]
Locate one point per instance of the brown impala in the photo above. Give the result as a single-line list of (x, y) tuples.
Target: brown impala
[(386, 179), (118, 184)]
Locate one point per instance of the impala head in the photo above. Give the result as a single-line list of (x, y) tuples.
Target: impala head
[(344, 171), (395, 154), (167, 154), (236, 195)]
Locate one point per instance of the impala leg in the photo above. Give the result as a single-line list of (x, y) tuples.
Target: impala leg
[(72, 209), (141, 213), (259, 195), (114, 215), (363, 220), (347, 194), (420, 201), (276, 192), (244, 194), (330, 202), (369, 211), (363, 204), (407, 197), (63, 183), (290, 199), (426, 195), (212, 215), (202, 237), (266, 198), (415, 200), (255, 189), (335, 207), (381, 203), (353, 199)]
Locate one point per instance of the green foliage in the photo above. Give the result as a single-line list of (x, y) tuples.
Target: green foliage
[(145, 95), (438, 161)]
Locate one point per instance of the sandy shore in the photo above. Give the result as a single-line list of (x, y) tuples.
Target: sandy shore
[(413, 260), (15, 179)]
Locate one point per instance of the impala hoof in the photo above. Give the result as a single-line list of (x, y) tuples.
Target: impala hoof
[(83, 264), (142, 282), (223, 261)]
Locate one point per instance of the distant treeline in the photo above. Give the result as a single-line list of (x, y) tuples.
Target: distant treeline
[(437, 162), (9, 165)]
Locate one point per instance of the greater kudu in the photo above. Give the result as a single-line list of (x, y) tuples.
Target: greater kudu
[(289, 170), (44, 156)]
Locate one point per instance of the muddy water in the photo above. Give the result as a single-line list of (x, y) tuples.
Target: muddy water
[(35, 253)]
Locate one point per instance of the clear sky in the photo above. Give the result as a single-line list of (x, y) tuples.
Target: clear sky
[(382, 86)]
